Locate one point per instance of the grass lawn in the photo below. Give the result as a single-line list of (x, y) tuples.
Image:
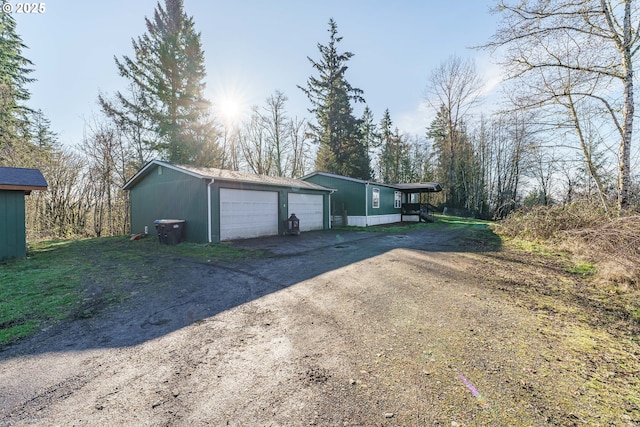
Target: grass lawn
[(59, 278), (62, 279), (478, 231), (440, 221), (53, 282)]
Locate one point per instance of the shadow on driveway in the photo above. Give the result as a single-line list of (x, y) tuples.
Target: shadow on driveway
[(187, 291)]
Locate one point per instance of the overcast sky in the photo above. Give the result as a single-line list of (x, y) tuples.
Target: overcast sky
[(255, 47)]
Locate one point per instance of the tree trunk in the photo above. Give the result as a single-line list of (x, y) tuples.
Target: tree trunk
[(625, 47)]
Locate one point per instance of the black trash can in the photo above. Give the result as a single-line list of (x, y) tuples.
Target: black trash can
[(170, 231)]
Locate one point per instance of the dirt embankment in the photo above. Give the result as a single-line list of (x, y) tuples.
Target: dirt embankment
[(429, 327)]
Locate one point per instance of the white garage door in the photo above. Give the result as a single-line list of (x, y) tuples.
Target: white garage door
[(248, 213), (308, 208)]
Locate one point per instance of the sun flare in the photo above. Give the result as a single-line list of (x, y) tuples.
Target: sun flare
[(230, 109), (231, 106), (231, 96)]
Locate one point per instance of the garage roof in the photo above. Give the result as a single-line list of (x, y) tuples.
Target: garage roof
[(229, 175), (226, 175), (21, 179)]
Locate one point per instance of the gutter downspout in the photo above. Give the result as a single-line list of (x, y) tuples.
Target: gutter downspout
[(209, 209), (366, 204), (329, 210)]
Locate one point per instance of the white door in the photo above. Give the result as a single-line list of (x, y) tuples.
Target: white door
[(248, 213), (309, 210)]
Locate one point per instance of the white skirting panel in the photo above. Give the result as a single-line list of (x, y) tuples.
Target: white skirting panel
[(363, 221)]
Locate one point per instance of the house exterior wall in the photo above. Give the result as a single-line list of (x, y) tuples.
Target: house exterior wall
[(13, 242), (357, 199), (165, 193), (386, 201), (350, 195)]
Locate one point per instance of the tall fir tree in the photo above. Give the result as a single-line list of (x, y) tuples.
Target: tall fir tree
[(393, 151), (444, 146), (370, 136), (167, 73), (14, 77), (455, 158), (337, 131)]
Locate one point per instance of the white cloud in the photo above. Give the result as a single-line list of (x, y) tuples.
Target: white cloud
[(491, 74), (416, 120)]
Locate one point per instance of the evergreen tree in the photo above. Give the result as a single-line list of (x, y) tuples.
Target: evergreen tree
[(393, 151), (14, 76), (167, 74), (41, 134), (133, 121), (444, 146), (456, 159), (370, 135), (341, 146)]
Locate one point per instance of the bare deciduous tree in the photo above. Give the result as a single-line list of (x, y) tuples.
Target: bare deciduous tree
[(277, 126), (453, 89), (299, 157), (107, 165), (573, 50), (255, 146), (272, 143)]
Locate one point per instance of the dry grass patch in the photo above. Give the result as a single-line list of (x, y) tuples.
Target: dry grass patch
[(613, 245), (589, 235)]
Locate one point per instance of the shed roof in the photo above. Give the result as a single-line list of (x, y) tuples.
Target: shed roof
[(226, 175), (21, 179)]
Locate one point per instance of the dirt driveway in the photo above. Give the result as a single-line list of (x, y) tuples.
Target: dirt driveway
[(421, 328)]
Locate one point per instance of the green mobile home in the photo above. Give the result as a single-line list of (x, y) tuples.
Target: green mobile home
[(15, 184), (357, 202), (219, 204)]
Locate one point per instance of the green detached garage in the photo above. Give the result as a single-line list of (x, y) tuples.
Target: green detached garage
[(220, 204)]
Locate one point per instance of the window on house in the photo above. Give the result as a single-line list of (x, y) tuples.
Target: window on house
[(397, 199), (375, 198)]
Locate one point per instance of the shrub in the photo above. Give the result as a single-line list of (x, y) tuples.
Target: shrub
[(542, 223), (585, 230)]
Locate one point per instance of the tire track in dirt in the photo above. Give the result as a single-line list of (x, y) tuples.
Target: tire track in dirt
[(375, 331)]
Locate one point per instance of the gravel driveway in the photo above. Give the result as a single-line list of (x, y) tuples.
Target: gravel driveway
[(334, 328)]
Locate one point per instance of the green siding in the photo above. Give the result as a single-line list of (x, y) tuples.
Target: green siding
[(386, 201), (13, 242), (351, 196), (170, 195), (178, 195)]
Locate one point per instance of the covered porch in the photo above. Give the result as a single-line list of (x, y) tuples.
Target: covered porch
[(416, 200)]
